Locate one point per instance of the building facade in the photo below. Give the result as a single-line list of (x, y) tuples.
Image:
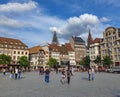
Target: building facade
[(71, 54), (54, 52), (14, 48), (36, 57), (110, 44), (47, 53), (78, 45), (94, 49)]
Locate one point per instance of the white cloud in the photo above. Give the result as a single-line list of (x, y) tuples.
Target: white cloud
[(79, 26), (18, 7), (38, 25), (5, 21), (115, 3), (104, 19), (4, 33)]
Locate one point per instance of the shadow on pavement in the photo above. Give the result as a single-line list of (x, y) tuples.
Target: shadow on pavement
[(85, 78)]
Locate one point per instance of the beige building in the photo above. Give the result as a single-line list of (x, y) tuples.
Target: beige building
[(47, 55), (62, 53), (36, 56), (54, 52), (78, 45), (94, 49), (110, 45), (71, 54), (13, 47)]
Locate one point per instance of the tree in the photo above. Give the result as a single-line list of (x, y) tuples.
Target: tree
[(87, 61), (5, 59), (107, 61), (82, 62), (52, 62), (98, 60), (23, 61)]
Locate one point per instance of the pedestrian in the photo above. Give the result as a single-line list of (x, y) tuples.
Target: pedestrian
[(47, 75), (4, 71), (89, 74), (92, 73), (68, 76), (16, 73), (63, 76), (19, 73), (12, 73)]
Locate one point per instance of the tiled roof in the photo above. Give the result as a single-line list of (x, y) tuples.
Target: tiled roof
[(53, 47), (97, 40), (78, 39), (68, 47), (12, 43), (35, 49), (63, 50)]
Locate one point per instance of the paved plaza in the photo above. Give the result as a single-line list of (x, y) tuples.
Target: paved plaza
[(33, 85)]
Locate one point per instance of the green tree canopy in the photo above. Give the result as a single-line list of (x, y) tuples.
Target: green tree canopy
[(52, 62), (5, 59), (98, 60), (23, 61), (82, 62), (107, 61), (87, 61)]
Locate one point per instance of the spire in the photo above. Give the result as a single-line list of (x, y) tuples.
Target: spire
[(55, 39), (89, 40)]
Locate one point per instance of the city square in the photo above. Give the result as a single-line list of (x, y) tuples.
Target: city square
[(32, 85)]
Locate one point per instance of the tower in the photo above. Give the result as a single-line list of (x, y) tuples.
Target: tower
[(55, 39), (89, 40)]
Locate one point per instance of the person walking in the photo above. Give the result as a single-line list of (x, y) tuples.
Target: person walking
[(89, 74), (68, 76), (47, 74), (16, 73), (63, 76), (19, 73), (12, 73), (92, 73)]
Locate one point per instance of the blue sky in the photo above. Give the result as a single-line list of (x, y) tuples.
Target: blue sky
[(33, 21)]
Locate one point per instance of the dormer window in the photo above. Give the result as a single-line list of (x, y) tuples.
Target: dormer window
[(11, 42)]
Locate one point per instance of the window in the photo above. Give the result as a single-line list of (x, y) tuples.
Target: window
[(106, 34), (11, 42), (113, 32), (22, 52), (14, 57), (16, 43), (18, 52), (18, 57), (115, 50), (10, 46), (5, 41), (6, 45), (26, 53), (14, 52)]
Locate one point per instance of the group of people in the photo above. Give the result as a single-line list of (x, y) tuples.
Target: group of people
[(91, 73), (15, 73), (66, 74)]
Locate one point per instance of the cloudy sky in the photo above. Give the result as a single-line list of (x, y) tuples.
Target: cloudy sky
[(34, 21)]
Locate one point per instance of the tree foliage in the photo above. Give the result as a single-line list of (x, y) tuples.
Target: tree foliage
[(5, 59), (98, 60), (86, 61), (23, 61), (107, 61), (82, 62), (52, 62)]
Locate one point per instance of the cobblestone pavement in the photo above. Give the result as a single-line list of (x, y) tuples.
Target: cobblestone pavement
[(33, 85)]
